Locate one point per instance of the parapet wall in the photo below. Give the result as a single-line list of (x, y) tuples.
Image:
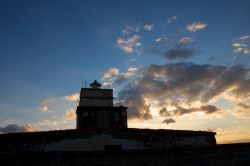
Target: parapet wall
[(101, 140), (217, 155)]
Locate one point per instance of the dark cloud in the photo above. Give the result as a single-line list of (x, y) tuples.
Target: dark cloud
[(132, 98), (14, 128), (243, 106), (183, 83), (168, 121), (179, 111), (207, 109), (234, 78), (243, 111), (164, 112), (171, 49), (179, 53)]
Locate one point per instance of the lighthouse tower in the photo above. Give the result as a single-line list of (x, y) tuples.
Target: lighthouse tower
[(96, 109)]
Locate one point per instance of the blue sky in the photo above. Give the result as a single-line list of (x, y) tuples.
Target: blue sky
[(48, 47)]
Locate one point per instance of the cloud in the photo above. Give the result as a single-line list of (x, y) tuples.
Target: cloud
[(164, 112), (163, 39), (130, 29), (180, 111), (243, 111), (122, 77), (107, 84), (243, 38), (171, 19), (69, 115), (132, 98), (45, 109), (207, 109), (148, 27), (110, 73), (74, 97), (185, 40), (118, 78), (47, 122), (128, 45), (240, 47), (247, 51), (47, 101), (196, 26), (183, 83), (172, 50), (158, 39), (179, 53), (169, 121), (243, 106), (242, 114), (44, 104), (243, 50), (14, 128)]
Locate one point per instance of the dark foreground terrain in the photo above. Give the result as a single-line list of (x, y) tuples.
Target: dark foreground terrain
[(217, 155)]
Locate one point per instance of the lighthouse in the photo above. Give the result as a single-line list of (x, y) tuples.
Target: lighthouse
[(96, 109)]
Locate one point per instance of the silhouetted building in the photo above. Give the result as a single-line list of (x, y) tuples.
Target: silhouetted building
[(96, 109), (102, 138)]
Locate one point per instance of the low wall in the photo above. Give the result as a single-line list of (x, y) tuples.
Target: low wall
[(99, 140), (217, 155)]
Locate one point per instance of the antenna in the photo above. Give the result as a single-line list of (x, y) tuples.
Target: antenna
[(85, 83)]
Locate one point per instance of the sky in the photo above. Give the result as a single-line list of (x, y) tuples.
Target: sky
[(175, 64)]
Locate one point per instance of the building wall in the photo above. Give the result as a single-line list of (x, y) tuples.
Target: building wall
[(96, 97), (218, 155), (101, 117), (99, 140)]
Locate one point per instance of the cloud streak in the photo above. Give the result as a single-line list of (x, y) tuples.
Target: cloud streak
[(207, 109), (128, 45), (243, 111), (44, 104), (240, 45), (47, 122), (171, 19), (113, 75), (185, 40), (69, 115), (196, 26), (73, 97), (110, 73), (148, 27), (130, 29)]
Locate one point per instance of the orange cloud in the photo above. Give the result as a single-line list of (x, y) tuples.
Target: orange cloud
[(69, 115)]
